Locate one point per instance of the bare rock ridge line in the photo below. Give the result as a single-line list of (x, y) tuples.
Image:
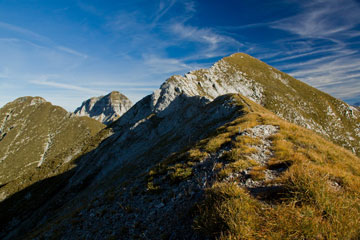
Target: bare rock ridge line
[(287, 97), (105, 109)]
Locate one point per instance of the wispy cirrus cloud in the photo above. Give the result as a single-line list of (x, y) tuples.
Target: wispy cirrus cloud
[(150, 37), (322, 18), (35, 39), (23, 31), (72, 51), (164, 7), (43, 81), (159, 64), (214, 44), (336, 74), (324, 56)]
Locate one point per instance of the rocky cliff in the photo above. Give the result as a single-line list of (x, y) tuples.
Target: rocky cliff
[(105, 109)]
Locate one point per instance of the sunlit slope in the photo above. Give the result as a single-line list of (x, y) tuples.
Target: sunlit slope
[(289, 98), (265, 178), (35, 133)]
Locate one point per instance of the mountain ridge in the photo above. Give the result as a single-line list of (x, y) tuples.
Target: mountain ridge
[(192, 141), (164, 190), (241, 73)]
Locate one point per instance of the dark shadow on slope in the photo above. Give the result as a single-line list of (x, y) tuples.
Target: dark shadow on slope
[(36, 205), (281, 167), (25, 209), (270, 194)]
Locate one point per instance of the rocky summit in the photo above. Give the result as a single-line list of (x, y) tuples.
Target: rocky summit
[(105, 109), (237, 151), (287, 97)]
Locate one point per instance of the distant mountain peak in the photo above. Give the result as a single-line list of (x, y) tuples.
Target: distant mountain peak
[(29, 99), (105, 109)]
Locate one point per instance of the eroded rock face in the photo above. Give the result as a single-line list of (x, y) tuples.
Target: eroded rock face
[(105, 109)]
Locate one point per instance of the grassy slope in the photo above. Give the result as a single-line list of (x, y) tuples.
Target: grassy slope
[(27, 131), (319, 197), (310, 102), (294, 100)]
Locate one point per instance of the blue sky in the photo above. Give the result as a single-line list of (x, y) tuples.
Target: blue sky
[(67, 51)]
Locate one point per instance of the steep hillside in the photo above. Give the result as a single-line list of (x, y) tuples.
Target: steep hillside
[(194, 161), (105, 109), (34, 134), (247, 174), (287, 97)]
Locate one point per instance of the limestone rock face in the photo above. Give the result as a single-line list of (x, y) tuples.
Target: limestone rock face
[(105, 109)]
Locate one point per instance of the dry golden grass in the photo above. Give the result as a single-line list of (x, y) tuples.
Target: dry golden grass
[(257, 173), (321, 190), (320, 197)]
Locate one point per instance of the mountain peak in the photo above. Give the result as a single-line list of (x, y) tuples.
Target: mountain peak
[(29, 99), (239, 55), (105, 109), (284, 95)]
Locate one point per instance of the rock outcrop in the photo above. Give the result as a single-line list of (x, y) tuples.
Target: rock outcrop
[(105, 109)]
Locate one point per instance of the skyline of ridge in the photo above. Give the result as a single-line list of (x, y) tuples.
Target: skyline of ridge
[(69, 51)]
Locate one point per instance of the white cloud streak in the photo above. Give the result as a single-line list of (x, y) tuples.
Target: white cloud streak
[(67, 86), (164, 7), (24, 31), (72, 52), (202, 35), (165, 65), (322, 19), (36, 39), (326, 60)]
